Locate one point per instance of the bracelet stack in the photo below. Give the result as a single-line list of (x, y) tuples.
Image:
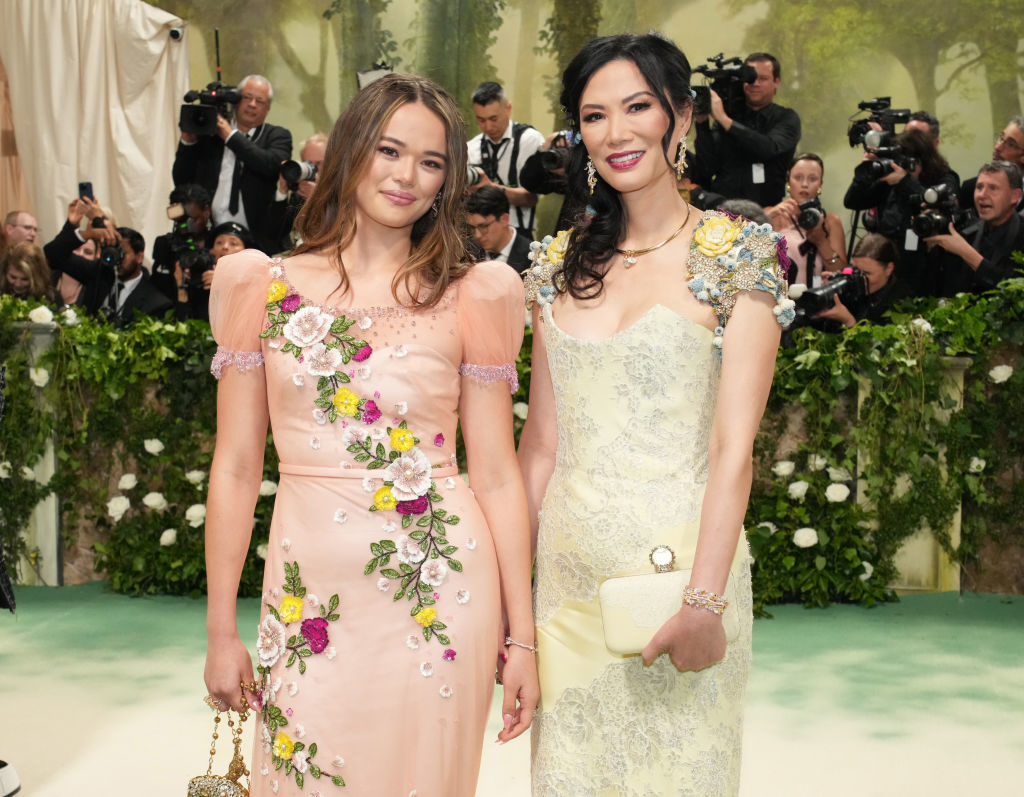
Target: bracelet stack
[(510, 641), (702, 599)]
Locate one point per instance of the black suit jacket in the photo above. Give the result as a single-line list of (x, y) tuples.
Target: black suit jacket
[(519, 255), (260, 160)]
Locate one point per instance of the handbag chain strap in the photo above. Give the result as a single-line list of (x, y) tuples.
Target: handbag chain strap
[(237, 768)]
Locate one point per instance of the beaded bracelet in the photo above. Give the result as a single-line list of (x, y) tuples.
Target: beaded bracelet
[(510, 641), (702, 599)]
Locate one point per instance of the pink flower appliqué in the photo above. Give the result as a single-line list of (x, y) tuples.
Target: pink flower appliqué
[(448, 655), (308, 326), (439, 440), (370, 412), (315, 632), (362, 354), (291, 303), (415, 507)]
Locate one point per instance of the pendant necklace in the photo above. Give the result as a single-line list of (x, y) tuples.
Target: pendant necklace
[(631, 255)]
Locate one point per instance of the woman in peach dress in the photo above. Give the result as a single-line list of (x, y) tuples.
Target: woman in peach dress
[(387, 578)]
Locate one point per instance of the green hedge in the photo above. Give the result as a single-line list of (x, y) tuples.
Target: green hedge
[(108, 392)]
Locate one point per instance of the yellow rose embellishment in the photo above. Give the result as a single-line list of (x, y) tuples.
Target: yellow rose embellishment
[(717, 235), (290, 609), (283, 746), (384, 498), (346, 402), (277, 291), (557, 248), (426, 616), (402, 439)]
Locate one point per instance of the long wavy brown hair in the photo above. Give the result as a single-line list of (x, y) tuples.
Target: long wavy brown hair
[(327, 222)]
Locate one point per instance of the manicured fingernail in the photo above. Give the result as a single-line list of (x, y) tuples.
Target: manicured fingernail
[(508, 720)]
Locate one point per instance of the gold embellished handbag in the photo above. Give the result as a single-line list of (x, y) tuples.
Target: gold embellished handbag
[(633, 608), (228, 785)]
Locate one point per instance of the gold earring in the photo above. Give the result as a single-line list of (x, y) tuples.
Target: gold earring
[(591, 176)]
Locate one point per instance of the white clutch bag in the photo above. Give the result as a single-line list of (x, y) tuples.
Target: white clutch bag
[(633, 608)]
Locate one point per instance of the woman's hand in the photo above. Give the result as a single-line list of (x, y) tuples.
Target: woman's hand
[(784, 214), (838, 312), (521, 692), (693, 639), (895, 176), (228, 665)]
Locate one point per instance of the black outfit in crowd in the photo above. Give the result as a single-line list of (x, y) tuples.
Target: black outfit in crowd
[(726, 159), (996, 245), (280, 219), (258, 161), (872, 307), (537, 179), (100, 284), (162, 276), (890, 209)]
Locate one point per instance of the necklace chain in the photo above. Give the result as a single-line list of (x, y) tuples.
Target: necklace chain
[(631, 255)]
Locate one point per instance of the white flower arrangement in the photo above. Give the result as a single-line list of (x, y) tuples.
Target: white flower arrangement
[(155, 501), (268, 487), (27, 473), (839, 474), (772, 528), (1000, 373), (40, 315), (261, 550), (797, 490), (410, 474), (127, 482), (520, 409), (5, 470), (977, 465), (70, 317), (40, 377), (169, 537), (921, 324), (837, 493), (784, 468), (152, 445), (868, 570), (805, 537), (196, 476), (117, 506), (196, 515), (816, 462), (903, 485)]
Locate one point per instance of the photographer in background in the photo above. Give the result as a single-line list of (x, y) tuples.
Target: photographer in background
[(294, 187), (239, 165), (487, 215), (983, 251), (815, 240), (746, 154), (889, 183), (189, 212), (1009, 147), (544, 173)]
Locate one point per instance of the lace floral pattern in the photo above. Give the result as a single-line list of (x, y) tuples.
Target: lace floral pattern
[(242, 360)]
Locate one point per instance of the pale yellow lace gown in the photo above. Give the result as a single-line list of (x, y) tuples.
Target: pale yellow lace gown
[(634, 419)]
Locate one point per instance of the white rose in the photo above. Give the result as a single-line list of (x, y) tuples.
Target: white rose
[(152, 445), (797, 490), (127, 482), (816, 462), (117, 506), (5, 470), (868, 570), (977, 465), (268, 487), (40, 315), (195, 515), (261, 550), (837, 493), (772, 528), (520, 410), (783, 468), (155, 501), (27, 473), (70, 317), (40, 376), (805, 537), (196, 476), (839, 474), (169, 537), (1000, 373), (921, 324), (902, 485)]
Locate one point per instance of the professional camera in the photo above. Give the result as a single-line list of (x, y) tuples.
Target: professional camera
[(558, 156), (941, 210), (851, 286), (882, 144), (726, 76), (295, 172), (881, 114), (112, 257), (811, 214), (192, 256), (473, 174), (216, 99)]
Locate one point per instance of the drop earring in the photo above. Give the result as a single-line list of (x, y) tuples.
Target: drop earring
[(591, 176), (681, 160)]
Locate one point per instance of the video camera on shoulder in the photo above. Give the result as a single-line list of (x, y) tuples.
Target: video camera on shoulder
[(882, 144), (941, 209), (881, 114), (213, 101), (726, 76), (850, 285)]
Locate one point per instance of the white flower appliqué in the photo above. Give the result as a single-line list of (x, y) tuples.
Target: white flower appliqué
[(309, 325)]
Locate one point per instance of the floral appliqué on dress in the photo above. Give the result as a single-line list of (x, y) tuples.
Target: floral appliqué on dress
[(279, 636)]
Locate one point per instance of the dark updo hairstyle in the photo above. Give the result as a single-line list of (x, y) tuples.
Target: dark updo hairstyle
[(667, 73), (877, 247)]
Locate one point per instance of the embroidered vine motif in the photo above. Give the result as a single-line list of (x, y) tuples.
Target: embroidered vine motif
[(277, 636), (424, 554), (321, 342)]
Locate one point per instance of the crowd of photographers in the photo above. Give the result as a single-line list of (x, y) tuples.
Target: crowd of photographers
[(921, 231)]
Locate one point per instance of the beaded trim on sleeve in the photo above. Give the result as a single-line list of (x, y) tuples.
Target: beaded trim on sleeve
[(543, 279), (488, 374), (729, 255), (242, 360)]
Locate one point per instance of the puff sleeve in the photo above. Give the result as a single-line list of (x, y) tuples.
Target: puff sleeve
[(238, 306), (492, 317)]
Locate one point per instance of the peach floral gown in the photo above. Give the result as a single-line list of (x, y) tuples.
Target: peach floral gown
[(380, 623)]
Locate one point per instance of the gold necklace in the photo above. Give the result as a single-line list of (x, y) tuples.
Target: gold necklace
[(632, 254)]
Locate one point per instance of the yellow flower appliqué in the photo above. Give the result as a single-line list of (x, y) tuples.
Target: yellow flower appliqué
[(283, 746), (717, 235), (290, 609), (384, 499), (426, 616), (346, 402), (402, 439), (277, 291), (558, 247)]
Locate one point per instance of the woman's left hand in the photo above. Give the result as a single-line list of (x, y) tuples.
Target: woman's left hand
[(693, 639), (521, 692)]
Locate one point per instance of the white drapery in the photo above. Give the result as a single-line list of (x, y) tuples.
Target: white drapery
[(95, 87)]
